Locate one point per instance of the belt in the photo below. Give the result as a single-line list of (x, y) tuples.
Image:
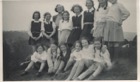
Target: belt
[(88, 23)]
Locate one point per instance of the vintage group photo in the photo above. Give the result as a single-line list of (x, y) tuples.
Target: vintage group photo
[(69, 40)]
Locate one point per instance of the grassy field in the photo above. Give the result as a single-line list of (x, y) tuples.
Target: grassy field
[(16, 49)]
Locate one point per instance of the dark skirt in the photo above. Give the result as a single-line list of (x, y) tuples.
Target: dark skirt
[(55, 37), (86, 32), (74, 36), (46, 41), (34, 42)]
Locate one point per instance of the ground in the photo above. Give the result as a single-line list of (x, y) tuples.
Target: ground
[(16, 49)]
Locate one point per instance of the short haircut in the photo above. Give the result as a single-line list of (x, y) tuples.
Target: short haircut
[(38, 45), (80, 7), (37, 13), (57, 6)]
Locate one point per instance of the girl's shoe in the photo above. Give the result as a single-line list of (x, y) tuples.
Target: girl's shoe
[(24, 73), (38, 74)]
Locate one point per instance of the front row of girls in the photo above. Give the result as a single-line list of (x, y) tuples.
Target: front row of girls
[(87, 59)]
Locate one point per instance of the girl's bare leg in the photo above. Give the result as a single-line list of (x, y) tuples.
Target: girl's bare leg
[(56, 65), (61, 66), (42, 66), (74, 69), (70, 63), (96, 73), (79, 69), (29, 66), (90, 70)]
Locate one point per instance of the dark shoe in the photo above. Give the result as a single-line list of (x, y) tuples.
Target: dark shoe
[(38, 74), (24, 73), (51, 74)]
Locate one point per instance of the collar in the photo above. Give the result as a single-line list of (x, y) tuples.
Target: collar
[(36, 21), (47, 22), (90, 10), (79, 15)]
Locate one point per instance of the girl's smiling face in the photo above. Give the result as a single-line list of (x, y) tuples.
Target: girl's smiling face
[(77, 46), (63, 48), (53, 47), (40, 49), (97, 44), (60, 9), (36, 16), (77, 10), (89, 4), (66, 16), (48, 17), (84, 43)]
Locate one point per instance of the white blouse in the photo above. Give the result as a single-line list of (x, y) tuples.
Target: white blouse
[(76, 54), (65, 25), (118, 13)]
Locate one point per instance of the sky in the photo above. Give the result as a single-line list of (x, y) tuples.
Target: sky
[(17, 14)]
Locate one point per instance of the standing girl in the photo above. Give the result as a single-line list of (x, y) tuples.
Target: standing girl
[(113, 32), (88, 20), (40, 56), (75, 55), (77, 24), (56, 19), (65, 27), (100, 15), (63, 58), (101, 61), (49, 29), (35, 30)]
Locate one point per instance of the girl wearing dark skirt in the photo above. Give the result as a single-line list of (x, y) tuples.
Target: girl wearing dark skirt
[(77, 24), (88, 20), (49, 29), (35, 30)]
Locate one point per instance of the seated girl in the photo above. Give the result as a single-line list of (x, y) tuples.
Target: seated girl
[(75, 55), (63, 58), (101, 60), (40, 56), (87, 57), (54, 52)]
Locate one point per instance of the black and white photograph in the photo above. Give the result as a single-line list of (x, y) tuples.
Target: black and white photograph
[(69, 40)]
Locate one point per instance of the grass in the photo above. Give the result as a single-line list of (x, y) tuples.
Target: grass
[(16, 49)]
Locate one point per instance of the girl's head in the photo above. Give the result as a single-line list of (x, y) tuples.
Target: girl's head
[(77, 45), (36, 15), (84, 42), (103, 4), (77, 9), (39, 48), (59, 8), (89, 4), (47, 16), (65, 15), (112, 1), (63, 47), (98, 43), (53, 45)]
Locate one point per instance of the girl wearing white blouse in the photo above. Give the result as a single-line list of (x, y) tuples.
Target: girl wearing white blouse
[(113, 32), (101, 61), (65, 27), (40, 55), (75, 55), (99, 23)]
